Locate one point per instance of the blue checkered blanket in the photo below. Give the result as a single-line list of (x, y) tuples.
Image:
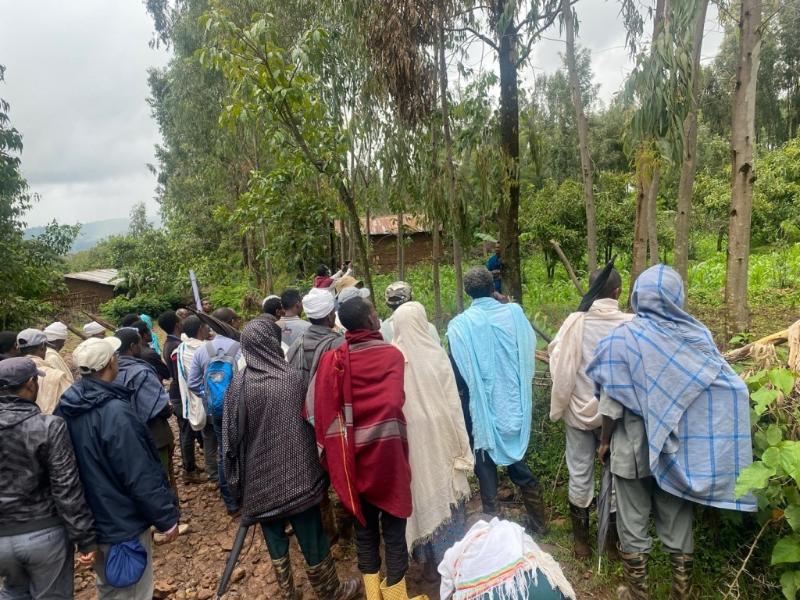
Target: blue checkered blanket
[(664, 366)]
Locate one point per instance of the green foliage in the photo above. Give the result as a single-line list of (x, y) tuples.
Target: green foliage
[(152, 304), (774, 477)]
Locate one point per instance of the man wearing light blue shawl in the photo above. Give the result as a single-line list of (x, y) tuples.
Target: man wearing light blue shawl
[(678, 421), (492, 348)]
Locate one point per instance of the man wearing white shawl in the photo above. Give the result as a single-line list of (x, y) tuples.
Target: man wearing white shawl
[(439, 450), (56, 334), (573, 397)]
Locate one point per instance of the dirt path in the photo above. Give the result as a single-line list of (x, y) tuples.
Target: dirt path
[(190, 568)]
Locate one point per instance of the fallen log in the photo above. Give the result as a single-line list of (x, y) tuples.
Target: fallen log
[(790, 334)]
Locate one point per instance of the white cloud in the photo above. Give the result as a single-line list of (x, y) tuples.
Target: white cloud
[(76, 79)]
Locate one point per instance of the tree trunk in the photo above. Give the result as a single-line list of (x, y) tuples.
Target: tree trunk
[(355, 224), (639, 254), (368, 227), (652, 214), (437, 285), (508, 213), (401, 258), (583, 139), (450, 174), (742, 166), (267, 266), (689, 162)]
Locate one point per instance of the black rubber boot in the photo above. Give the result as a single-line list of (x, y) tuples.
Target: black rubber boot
[(534, 504), (580, 531)]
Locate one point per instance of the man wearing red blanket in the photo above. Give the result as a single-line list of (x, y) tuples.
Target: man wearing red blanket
[(355, 402)]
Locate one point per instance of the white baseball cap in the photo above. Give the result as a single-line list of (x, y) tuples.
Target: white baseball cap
[(352, 292), (29, 338), (94, 354)]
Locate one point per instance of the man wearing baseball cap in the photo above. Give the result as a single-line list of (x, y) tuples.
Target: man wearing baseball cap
[(127, 489), (54, 382), (43, 512), (56, 334), (397, 294)]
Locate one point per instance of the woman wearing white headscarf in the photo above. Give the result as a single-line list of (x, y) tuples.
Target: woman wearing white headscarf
[(439, 450)]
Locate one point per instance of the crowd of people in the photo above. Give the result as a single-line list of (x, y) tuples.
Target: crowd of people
[(340, 428)]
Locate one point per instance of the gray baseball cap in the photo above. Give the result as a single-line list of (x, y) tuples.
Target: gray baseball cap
[(16, 371), (28, 338)]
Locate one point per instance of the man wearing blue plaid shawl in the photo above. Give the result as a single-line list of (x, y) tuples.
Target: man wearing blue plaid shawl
[(678, 421)]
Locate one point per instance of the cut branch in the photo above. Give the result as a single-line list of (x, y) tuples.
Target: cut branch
[(567, 266)]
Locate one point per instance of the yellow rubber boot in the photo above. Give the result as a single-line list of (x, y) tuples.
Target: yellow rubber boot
[(372, 586), (398, 592)]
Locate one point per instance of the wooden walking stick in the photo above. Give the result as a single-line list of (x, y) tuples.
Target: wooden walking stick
[(101, 321)]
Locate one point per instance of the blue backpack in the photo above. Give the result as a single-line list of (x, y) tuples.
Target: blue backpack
[(218, 377)]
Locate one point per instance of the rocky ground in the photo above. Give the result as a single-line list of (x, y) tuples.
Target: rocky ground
[(190, 568)]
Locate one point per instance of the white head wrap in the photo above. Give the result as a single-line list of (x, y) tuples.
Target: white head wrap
[(56, 331), (93, 328), (318, 303)]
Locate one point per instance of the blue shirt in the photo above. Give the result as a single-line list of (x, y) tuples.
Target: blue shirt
[(495, 263)]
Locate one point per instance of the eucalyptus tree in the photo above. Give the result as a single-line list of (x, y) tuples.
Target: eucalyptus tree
[(510, 28), (583, 136), (743, 173), (689, 157), (660, 88), (407, 40), (280, 88)]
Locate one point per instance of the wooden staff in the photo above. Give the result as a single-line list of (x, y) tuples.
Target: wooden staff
[(102, 322)]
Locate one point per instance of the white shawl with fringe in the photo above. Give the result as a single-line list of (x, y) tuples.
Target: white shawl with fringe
[(439, 451), (498, 560)]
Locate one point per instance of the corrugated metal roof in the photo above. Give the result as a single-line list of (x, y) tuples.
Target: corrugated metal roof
[(387, 225), (103, 276)]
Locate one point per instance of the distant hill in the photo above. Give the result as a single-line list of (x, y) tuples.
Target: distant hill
[(91, 233)]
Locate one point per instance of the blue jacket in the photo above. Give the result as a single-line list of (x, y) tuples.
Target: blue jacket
[(149, 396), (122, 476)]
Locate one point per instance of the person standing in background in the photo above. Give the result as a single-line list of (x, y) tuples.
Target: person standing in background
[(292, 326), (573, 399), (492, 347), (56, 334), (495, 266), (33, 344)]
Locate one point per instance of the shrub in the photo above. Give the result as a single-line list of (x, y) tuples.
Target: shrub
[(151, 304)]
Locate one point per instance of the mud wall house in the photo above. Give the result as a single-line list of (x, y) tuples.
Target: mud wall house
[(418, 241), (89, 289)]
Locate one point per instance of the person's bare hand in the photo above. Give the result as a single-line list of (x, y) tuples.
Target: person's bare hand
[(500, 298), (87, 559), (602, 453)]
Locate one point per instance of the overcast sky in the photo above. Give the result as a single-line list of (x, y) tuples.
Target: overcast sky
[(76, 79)]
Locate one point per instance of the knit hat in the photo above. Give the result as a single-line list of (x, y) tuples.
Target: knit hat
[(352, 292)]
